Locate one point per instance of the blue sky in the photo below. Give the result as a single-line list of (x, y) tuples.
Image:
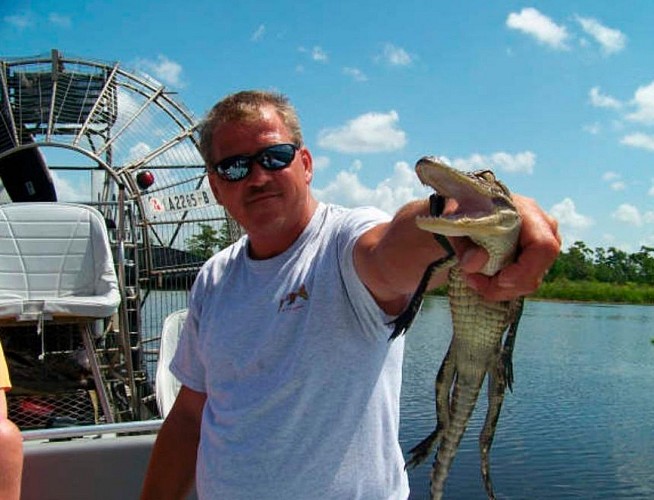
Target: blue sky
[(557, 97)]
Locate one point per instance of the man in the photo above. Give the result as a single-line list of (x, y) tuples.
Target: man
[(290, 388), (11, 442)]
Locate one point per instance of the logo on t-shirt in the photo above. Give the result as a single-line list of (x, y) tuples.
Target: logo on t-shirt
[(291, 301)]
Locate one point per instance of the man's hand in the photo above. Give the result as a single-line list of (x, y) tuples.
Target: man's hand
[(538, 247)]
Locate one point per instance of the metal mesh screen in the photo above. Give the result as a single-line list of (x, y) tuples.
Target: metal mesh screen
[(54, 410), (138, 147)]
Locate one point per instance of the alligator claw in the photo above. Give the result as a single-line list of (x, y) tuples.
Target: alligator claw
[(423, 449)]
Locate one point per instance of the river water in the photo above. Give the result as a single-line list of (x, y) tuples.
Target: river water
[(580, 421)]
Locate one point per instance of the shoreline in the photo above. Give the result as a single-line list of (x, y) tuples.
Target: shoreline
[(586, 292)]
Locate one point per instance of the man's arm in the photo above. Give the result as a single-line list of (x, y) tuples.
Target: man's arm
[(391, 258), (171, 470)]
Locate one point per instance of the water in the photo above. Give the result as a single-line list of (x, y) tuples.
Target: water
[(580, 420)]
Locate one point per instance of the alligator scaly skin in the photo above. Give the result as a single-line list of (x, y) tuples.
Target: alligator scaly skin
[(483, 332)]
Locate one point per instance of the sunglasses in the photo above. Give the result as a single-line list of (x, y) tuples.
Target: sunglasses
[(276, 157)]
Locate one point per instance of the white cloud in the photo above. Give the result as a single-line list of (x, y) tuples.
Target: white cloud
[(566, 213), (592, 128), (128, 104), (356, 74), (639, 140), (138, 151), (521, 162), (531, 22), (628, 214), (317, 54), (368, 133), (614, 180), (611, 40), (389, 195), (258, 33), (321, 162), (600, 100), (644, 103), (67, 191), (169, 72), (59, 20), (20, 21), (651, 189), (395, 56)]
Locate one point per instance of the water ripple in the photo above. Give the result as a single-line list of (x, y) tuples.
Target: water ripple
[(579, 423)]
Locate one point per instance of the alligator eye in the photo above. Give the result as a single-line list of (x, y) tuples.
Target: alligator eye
[(486, 175)]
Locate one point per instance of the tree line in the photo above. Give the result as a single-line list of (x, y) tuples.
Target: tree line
[(612, 265), (578, 263), (208, 240)]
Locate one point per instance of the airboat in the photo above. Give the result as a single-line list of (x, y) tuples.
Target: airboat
[(95, 268)]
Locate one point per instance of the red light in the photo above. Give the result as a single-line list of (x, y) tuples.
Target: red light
[(144, 179)]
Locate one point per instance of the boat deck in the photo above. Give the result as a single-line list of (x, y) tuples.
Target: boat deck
[(102, 462)]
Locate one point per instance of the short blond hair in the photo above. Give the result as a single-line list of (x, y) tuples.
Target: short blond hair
[(246, 106)]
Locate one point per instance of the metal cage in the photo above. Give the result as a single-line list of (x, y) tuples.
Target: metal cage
[(132, 149)]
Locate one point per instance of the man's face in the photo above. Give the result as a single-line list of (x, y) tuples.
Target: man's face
[(265, 202)]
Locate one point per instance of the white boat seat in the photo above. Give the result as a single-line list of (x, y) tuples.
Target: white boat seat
[(55, 261), (56, 266), (166, 384)]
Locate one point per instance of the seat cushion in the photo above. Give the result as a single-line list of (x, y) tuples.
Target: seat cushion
[(55, 259)]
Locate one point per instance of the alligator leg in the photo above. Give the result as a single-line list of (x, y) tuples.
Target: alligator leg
[(402, 323), (500, 377), (443, 382), (464, 398), (496, 389), (509, 342)]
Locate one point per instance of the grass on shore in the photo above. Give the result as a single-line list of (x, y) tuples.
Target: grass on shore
[(593, 291), (588, 291)]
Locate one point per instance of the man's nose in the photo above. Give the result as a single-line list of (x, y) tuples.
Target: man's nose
[(258, 174)]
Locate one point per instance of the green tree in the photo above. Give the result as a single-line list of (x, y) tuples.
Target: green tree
[(618, 264), (576, 263), (642, 263), (203, 243)]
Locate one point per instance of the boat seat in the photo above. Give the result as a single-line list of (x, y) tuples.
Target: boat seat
[(56, 266), (166, 384), (55, 261)]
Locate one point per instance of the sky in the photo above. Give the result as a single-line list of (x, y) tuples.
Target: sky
[(557, 97)]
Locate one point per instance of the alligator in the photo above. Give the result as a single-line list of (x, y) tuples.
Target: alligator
[(483, 332)]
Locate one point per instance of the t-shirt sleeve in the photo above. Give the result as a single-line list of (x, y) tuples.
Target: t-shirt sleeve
[(372, 318)]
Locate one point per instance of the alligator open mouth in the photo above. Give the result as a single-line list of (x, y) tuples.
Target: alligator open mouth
[(482, 202)]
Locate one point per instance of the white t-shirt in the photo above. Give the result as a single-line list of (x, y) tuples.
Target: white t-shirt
[(302, 383)]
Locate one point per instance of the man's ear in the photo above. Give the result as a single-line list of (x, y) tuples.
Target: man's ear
[(307, 161)]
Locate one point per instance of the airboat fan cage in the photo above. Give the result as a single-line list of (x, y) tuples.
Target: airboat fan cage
[(132, 151)]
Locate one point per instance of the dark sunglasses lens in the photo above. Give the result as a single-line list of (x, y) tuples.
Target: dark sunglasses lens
[(234, 169), (277, 157), (272, 158)]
